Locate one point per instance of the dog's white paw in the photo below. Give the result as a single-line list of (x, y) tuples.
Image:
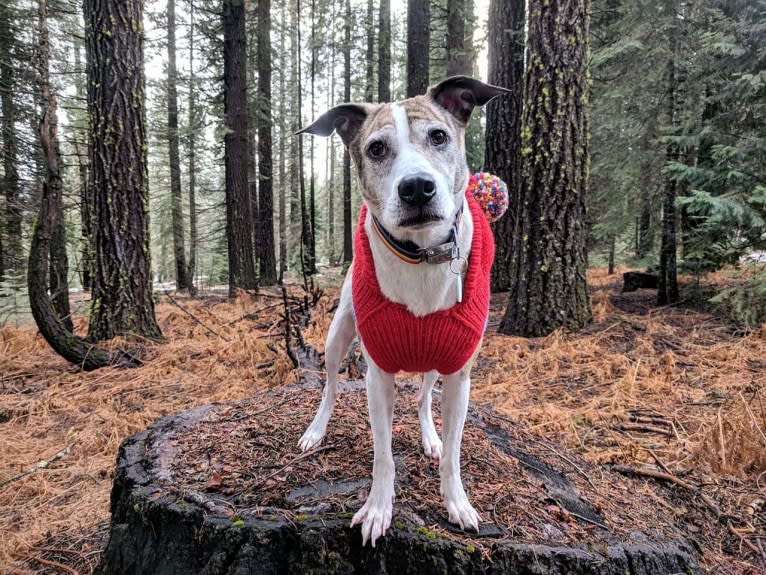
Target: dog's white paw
[(432, 445), (312, 438), (459, 509), (375, 517)]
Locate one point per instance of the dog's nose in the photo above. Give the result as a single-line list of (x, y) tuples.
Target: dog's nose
[(417, 191)]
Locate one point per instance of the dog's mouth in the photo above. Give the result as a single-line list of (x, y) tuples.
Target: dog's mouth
[(420, 220)]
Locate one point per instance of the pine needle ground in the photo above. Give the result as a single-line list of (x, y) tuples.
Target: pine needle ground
[(676, 391)]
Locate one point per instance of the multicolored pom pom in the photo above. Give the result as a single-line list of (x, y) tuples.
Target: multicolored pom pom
[(491, 193)]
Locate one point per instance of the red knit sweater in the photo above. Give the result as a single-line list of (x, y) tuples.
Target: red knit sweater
[(445, 340)]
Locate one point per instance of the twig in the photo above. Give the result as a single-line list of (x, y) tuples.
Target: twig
[(55, 565), (294, 460), (37, 466), (290, 352), (195, 318), (627, 470), (644, 428)]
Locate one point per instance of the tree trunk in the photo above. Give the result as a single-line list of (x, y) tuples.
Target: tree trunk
[(457, 55), (306, 231), (282, 148), (174, 157), (384, 51), (122, 300), (268, 264), (418, 46), (312, 182), (348, 250), (548, 288), (369, 78), (58, 283), (238, 216), (11, 256), (86, 201), (612, 247), (253, 122), (54, 323), (191, 150), (502, 155), (185, 522)]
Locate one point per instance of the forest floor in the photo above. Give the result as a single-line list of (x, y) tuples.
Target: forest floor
[(676, 393)]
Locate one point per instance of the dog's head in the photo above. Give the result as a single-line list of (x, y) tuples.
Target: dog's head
[(410, 155)]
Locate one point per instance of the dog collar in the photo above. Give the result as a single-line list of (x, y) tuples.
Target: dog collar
[(443, 253)]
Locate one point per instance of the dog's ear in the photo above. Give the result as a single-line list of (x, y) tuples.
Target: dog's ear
[(346, 119), (459, 94)]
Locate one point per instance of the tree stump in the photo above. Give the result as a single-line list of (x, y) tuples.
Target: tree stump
[(223, 489)]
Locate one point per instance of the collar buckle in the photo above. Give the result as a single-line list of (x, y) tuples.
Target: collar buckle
[(441, 254)]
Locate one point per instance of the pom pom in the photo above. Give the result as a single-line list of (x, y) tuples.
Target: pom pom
[(491, 193)]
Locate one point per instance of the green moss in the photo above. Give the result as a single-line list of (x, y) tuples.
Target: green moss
[(470, 548), (137, 507), (399, 525), (427, 532), (345, 515), (300, 517), (237, 522)]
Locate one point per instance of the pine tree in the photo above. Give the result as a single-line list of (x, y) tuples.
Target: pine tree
[(122, 301), (384, 51), (238, 216), (266, 254), (503, 136), (174, 158), (418, 46), (548, 287)]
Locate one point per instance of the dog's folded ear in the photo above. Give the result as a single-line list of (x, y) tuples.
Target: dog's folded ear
[(460, 94), (346, 119)]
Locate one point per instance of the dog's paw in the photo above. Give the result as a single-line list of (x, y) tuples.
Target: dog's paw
[(432, 445), (311, 439), (460, 511), (375, 517)]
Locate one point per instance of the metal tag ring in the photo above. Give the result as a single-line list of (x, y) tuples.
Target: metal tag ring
[(457, 259)]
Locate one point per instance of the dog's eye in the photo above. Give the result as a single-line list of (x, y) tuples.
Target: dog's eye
[(377, 149), (438, 137)]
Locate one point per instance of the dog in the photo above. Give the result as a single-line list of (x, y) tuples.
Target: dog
[(417, 292)]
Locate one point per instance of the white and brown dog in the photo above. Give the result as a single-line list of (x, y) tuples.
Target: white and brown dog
[(418, 290)]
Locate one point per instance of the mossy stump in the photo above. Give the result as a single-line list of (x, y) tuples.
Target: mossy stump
[(223, 489)]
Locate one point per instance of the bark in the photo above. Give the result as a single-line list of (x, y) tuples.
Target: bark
[(86, 199), (312, 255), (58, 284), (667, 286), (174, 157), (10, 257), (457, 54), (159, 528), (54, 323), (384, 51), (369, 78), (191, 150), (348, 250), (122, 300), (238, 214), (282, 149), (548, 288), (253, 109), (502, 155), (306, 231), (418, 46), (612, 247), (267, 257)]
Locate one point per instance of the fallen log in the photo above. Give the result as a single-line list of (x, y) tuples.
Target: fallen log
[(223, 489)]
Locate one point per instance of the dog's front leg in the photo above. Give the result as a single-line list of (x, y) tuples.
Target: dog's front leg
[(455, 390), (375, 515), (432, 445), (339, 338)]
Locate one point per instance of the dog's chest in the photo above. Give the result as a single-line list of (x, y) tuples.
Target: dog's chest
[(422, 288)]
